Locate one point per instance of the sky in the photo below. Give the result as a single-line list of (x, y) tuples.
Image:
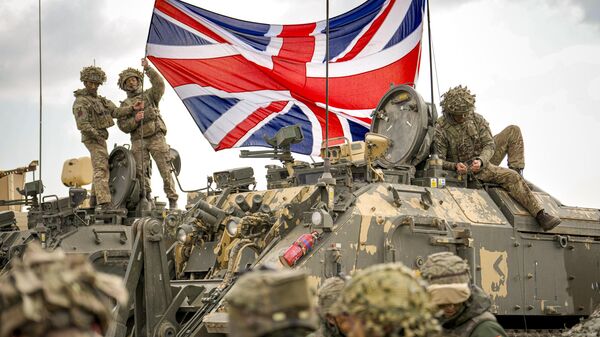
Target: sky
[(533, 63)]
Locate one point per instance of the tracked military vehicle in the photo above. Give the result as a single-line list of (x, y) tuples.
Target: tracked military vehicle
[(382, 200), (71, 224)]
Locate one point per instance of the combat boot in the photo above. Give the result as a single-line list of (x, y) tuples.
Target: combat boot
[(547, 221), (172, 204)]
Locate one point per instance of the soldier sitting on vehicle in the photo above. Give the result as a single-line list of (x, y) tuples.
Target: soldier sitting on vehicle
[(464, 142), (328, 293), (269, 303), (386, 300), (53, 294), (94, 115), (465, 307)]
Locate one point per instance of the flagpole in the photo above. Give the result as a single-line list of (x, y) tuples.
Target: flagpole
[(327, 82), (430, 58)]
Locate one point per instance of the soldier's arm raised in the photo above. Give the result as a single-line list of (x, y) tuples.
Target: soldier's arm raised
[(125, 110), (440, 146), (158, 85)]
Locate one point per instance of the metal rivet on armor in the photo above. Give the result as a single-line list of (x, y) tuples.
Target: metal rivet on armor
[(517, 307), (530, 307)]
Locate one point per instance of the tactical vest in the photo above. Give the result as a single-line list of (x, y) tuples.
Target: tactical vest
[(153, 121), (98, 111), (467, 328), (464, 140)]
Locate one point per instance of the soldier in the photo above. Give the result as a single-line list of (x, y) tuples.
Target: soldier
[(149, 139), (509, 142), (94, 115), (268, 303), (328, 293), (465, 307), (464, 142), (386, 300), (54, 294)]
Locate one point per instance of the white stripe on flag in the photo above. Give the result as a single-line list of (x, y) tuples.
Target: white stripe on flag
[(262, 123), (191, 52), (257, 97), (387, 29), (368, 63), (320, 39), (360, 35), (229, 120), (184, 26)]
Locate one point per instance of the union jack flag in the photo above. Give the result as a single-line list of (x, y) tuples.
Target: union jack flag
[(242, 80)]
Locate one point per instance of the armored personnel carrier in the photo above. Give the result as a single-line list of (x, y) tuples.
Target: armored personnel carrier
[(382, 200), (71, 224)]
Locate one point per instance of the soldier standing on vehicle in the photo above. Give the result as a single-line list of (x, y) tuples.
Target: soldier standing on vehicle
[(464, 142), (94, 115), (386, 300), (270, 303), (465, 307), (149, 139), (53, 294), (509, 142), (328, 293)]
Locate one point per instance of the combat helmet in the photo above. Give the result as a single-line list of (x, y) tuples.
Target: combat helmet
[(268, 301), (92, 74), (328, 293), (448, 276), (458, 100), (390, 300), (127, 73), (53, 293)]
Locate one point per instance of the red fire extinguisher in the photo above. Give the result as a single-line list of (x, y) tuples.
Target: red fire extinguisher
[(299, 248)]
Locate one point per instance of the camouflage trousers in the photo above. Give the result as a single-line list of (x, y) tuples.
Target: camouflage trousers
[(509, 142), (513, 183), (156, 146), (99, 156)]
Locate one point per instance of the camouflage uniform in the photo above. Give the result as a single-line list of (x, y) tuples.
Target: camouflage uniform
[(329, 292), (510, 142), (152, 135), (447, 272), (461, 142), (94, 115), (387, 300), (56, 294), (271, 303)]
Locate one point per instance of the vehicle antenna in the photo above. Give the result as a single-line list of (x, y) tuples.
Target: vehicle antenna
[(40, 66)]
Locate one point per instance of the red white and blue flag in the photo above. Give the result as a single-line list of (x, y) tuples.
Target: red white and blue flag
[(243, 80)]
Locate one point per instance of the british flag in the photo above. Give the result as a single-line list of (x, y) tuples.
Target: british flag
[(243, 80)]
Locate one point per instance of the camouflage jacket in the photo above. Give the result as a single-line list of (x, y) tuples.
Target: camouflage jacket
[(94, 114), (458, 143), (475, 319), (152, 121)]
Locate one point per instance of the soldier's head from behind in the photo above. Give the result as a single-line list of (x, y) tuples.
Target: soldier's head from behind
[(458, 103), (271, 303), (449, 282), (92, 77), (130, 80), (386, 300), (50, 294), (328, 294)]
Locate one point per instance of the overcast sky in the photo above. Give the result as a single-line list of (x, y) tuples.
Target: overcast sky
[(534, 63)]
